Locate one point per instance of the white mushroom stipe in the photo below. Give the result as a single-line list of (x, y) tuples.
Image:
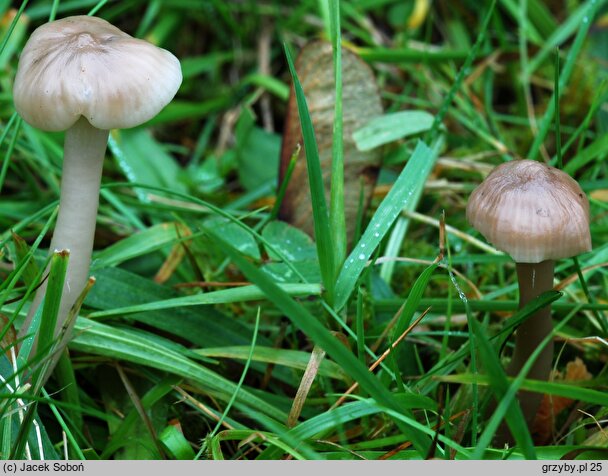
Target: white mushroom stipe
[(83, 75)]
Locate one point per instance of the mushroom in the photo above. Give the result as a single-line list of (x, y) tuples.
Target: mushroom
[(85, 76), (537, 214)]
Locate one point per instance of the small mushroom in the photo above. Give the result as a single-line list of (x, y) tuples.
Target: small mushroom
[(85, 76), (537, 214)]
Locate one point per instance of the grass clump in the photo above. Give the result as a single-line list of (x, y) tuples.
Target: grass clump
[(208, 316)]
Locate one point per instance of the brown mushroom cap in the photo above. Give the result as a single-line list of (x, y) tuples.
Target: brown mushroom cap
[(532, 211), (84, 66)]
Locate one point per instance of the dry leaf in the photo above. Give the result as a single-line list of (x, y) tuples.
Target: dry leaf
[(553, 405), (360, 103)]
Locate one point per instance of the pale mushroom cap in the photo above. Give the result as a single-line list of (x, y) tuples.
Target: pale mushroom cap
[(532, 211), (84, 66)]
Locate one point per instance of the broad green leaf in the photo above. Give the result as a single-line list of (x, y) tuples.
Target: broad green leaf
[(392, 126), (240, 238), (294, 245), (257, 152), (209, 63)]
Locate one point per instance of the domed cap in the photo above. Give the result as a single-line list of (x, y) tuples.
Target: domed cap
[(531, 211), (84, 66)]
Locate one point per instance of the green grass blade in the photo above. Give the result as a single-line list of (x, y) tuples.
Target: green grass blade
[(571, 59), (224, 296), (242, 378), (405, 188), (337, 217), (558, 37), (331, 420), (500, 387), (50, 309), (462, 73), (152, 351), (413, 300), (323, 238), (310, 325), (295, 359)]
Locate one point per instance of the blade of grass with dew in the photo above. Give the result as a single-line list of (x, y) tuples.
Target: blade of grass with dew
[(571, 59), (410, 181), (398, 234), (325, 248), (310, 325), (337, 217)]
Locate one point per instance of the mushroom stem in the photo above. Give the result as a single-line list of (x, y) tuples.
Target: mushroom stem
[(84, 151), (534, 279)]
